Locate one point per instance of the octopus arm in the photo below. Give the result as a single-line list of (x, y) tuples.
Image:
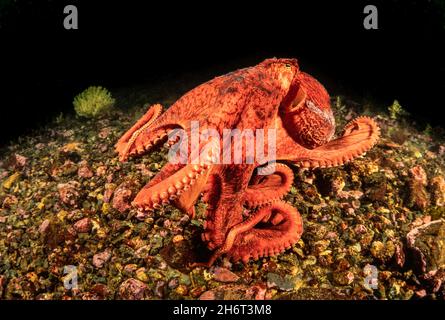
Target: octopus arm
[(359, 136)]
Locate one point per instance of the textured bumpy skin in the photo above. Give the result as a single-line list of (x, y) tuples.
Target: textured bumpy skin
[(275, 94)]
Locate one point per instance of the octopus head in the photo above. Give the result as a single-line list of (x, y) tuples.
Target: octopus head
[(308, 116)]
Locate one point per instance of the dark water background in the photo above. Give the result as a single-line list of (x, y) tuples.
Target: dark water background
[(43, 66)]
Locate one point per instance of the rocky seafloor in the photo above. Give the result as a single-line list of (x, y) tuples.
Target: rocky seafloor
[(374, 228)]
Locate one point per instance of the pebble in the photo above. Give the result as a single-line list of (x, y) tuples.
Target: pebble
[(84, 225), (44, 226), (84, 170), (101, 171), (178, 238), (99, 259), (382, 251), (121, 198), (419, 197), (283, 282), (133, 289), (438, 190), (68, 192), (104, 132), (224, 275), (17, 162), (343, 278), (173, 283), (428, 258), (160, 289), (181, 290)]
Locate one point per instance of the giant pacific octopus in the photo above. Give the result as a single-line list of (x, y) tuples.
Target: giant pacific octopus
[(245, 216)]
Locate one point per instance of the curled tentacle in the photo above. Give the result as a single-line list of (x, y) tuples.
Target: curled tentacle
[(265, 189), (126, 141), (267, 232)]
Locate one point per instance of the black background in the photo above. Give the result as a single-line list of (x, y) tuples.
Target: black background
[(43, 66)]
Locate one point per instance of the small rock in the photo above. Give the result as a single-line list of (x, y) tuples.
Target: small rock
[(360, 229), (133, 289), (2, 284), (122, 198), (399, 255), (68, 192), (84, 225), (427, 244), (142, 215), (144, 170), (9, 201), (84, 170), (177, 238), (343, 278), (156, 242), (130, 268), (421, 293), (285, 283), (438, 190), (101, 171), (224, 275), (419, 197), (173, 283), (382, 251), (9, 182), (100, 290), (160, 289), (143, 252), (104, 132), (108, 193), (141, 274), (181, 290), (197, 291), (17, 162), (99, 259), (208, 295), (68, 168), (44, 226)]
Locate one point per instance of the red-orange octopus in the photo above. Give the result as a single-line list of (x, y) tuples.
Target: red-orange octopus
[(275, 95)]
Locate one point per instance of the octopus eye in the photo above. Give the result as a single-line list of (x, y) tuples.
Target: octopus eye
[(287, 65)]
